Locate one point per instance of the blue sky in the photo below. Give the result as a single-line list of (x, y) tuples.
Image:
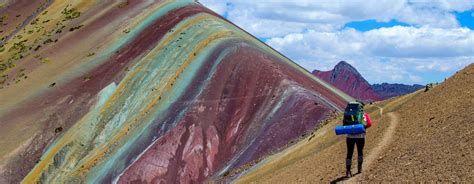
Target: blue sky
[(466, 18), (367, 25), (403, 41)]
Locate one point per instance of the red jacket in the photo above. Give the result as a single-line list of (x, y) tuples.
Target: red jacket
[(368, 120)]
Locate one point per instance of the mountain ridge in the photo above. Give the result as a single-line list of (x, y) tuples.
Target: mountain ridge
[(346, 78), (150, 92), (389, 90)]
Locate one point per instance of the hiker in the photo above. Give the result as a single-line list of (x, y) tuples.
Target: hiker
[(357, 140), (428, 87)]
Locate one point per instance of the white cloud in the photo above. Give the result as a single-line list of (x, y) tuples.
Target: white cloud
[(424, 42), (415, 78), (217, 6), (398, 42), (423, 16), (449, 5), (310, 33), (279, 17), (394, 54)]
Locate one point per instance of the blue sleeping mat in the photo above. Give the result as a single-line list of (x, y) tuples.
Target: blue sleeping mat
[(350, 129)]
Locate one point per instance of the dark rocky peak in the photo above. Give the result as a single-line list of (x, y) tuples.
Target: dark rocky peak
[(344, 66)]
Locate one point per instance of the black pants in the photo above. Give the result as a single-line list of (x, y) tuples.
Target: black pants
[(351, 142)]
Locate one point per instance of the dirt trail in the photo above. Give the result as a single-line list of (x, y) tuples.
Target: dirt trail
[(380, 110), (298, 163), (386, 140)]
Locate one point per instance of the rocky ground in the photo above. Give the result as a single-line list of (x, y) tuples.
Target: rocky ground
[(435, 140)]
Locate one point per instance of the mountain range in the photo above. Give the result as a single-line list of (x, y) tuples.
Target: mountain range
[(346, 78)]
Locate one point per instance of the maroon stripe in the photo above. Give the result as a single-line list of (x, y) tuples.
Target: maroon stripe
[(243, 83), (80, 91)]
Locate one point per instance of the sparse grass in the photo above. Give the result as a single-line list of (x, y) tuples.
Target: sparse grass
[(45, 60), (34, 22), (3, 18), (49, 40), (70, 13), (19, 47), (122, 5), (75, 28), (86, 78)]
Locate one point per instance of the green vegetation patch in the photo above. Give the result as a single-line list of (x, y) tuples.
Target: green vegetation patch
[(70, 13), (3, 18)]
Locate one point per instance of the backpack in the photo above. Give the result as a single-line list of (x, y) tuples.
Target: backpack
[(353, 114)]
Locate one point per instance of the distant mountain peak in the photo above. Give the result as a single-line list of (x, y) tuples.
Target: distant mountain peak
[(343, 65), (345, 77)]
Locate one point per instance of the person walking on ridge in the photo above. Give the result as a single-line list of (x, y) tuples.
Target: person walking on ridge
[(359, 141)]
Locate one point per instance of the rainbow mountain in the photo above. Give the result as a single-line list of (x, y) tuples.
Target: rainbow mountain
[(143, 91)]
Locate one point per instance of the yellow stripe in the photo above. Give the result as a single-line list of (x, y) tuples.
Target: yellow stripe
[(93, 158)]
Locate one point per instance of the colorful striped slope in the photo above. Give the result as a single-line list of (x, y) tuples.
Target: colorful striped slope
[(143, 91)]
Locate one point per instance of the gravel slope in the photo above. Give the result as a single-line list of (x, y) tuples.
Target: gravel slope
[(433, 141)]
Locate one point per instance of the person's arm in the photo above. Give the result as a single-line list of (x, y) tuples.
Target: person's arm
[(368, 120)]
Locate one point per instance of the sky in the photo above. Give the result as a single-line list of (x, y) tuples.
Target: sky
[(394, 41)]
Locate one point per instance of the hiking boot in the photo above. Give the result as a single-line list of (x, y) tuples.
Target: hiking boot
[(348, 168), (348, 174), (359, 165)]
